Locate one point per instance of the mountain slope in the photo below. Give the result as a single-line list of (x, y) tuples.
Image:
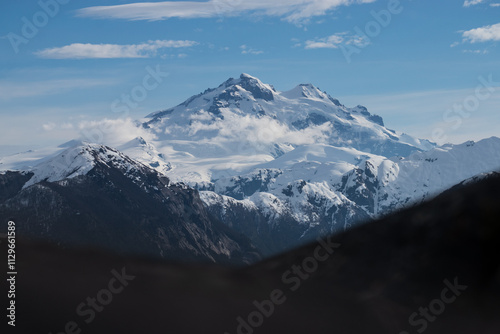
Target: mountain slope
[(319, 189), (394, 183), (92, 194)]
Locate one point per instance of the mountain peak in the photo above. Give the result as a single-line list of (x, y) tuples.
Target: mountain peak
[(245, 76), (78, 160), (308, 85), (245, 107), (257, 88), (306, 91)]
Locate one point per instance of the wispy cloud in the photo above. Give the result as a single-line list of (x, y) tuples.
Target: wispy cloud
[(86, 51), (482, 52), (49, 126), (483, 34), (10, 90), (331, 42), (291, 10), (113, 132), (335, 41), (469, 3), (247, 50)]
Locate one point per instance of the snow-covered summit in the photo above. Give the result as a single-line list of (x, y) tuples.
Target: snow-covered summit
[(244, 122), (79, 158), (253, 85), (308, 91)]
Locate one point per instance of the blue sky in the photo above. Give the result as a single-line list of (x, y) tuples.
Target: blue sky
[(430, 68)]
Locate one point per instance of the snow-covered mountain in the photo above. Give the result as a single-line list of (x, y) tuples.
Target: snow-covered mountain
[(282, 167), (244, 122), (299, 163), (320, 189), (390, 184), (91, 194)]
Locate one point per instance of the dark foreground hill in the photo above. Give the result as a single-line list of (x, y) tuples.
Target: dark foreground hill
[(433, 268)]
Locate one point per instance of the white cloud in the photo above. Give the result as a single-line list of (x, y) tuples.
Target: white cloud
[(483, 34), (469, 3), (247, 50), (85, 51), (257, 131), (112, 132), (495, 4), (330, 42), (291, 10), (49, 126), (335, 41), (475, 51)]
